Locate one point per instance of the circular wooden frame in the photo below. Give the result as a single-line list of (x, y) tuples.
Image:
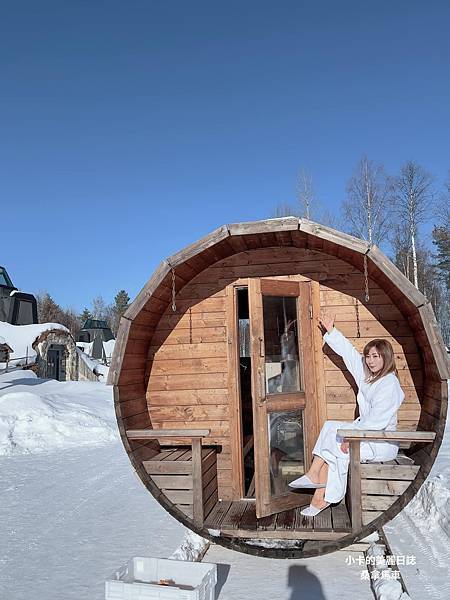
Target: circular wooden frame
[(139, 322)]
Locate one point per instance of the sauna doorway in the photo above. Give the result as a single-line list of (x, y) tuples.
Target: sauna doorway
[(275, 390)]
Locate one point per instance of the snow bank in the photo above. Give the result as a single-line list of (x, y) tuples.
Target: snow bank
[(94, 365), (431, 506), (39, 415), (385, 588), (21, 337), (85, 347), (192, 548), (108, 346)]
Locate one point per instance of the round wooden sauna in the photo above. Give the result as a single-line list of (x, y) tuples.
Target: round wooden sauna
[(222, 383)]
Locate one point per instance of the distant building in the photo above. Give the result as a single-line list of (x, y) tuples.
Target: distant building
[(5, 350), (96, 332), (56, 355), (16, 307)]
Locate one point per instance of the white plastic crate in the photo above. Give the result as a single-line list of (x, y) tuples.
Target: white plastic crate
[(138, 580)]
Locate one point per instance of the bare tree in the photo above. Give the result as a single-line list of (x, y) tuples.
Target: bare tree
[(435, 289), (306, 193), (283, 209), (99, 308), (48, 310), (70, 319), (399, 239), (367, 208), (413, 196)]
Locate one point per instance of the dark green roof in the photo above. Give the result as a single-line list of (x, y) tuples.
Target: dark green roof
[(4, 278), (95, 324)]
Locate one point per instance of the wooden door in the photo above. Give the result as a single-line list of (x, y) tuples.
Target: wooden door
[(53, 363), (284, 407)]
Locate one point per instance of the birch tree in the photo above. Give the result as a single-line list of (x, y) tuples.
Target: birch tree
[(306, 193), (309, 206), (413, 197), (367, 208)]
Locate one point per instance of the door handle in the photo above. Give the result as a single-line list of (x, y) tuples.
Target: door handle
[(262, 388), (261, 347)]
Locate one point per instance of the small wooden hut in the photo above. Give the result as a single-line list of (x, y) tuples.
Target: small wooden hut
[(56, 355), (222, 383)]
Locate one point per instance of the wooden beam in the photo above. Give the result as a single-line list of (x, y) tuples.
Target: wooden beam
[(317, 344), (148, 434), (397, 436), (266, 226), (355, 486), (283, 534), (197, 482), (119, 352), (332, 235), (394, 274), (435, 340), (198, 247), (162, 270), (234, 396)]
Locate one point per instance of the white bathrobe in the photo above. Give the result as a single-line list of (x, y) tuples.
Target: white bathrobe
[(378, 405)]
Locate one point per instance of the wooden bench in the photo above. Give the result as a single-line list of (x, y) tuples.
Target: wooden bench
[(374, 487), (188, 475)]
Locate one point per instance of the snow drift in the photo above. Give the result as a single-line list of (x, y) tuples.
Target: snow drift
[(43, 415)]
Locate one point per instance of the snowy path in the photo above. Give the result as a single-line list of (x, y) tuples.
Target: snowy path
[(328, 577), (69, 519)]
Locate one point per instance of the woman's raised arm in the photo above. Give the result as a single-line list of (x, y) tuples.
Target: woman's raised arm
[(353, 360)]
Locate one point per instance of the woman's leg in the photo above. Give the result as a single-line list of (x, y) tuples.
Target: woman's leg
[(318, 499), (323, 475), (315, 469)]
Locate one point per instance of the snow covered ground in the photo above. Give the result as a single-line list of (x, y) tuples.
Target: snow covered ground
[(423, 530), (72, 510), (39, 415)]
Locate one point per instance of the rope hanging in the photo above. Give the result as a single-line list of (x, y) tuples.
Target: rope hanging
[(366, 276), (174, 305)]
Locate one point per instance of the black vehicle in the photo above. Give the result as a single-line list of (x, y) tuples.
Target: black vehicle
[(16, 307)]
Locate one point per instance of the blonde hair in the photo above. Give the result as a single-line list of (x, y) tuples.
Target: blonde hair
[(385, 350)]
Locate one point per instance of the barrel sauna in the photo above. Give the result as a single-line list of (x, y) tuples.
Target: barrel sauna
[(222, 383)]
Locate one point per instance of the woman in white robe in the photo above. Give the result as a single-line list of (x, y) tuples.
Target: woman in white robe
[(379, 398)]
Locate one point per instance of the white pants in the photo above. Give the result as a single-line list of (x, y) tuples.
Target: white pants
[(328, 447)]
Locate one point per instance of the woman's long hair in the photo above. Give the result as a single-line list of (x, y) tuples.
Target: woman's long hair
[(385, 350)]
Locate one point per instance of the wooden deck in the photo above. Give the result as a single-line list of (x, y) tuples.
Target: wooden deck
[(194, 491), (238, 519)]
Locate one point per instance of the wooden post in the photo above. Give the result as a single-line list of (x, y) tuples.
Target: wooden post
[(197, 482), (355, 485)]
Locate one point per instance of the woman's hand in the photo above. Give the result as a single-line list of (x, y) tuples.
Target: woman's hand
[(327, 321), (344, 447)]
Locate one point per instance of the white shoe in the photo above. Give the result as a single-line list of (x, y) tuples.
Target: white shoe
[(305, 482), (312, 511)]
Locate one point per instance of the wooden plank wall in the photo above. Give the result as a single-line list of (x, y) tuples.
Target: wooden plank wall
[(187, 360)]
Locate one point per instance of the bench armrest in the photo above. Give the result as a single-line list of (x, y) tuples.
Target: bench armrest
[(360, 435), (155, 434)]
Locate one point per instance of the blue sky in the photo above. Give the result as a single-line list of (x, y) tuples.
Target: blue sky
[(131, 129)]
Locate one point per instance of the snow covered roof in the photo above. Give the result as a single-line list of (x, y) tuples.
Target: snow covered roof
[(20, 338)]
